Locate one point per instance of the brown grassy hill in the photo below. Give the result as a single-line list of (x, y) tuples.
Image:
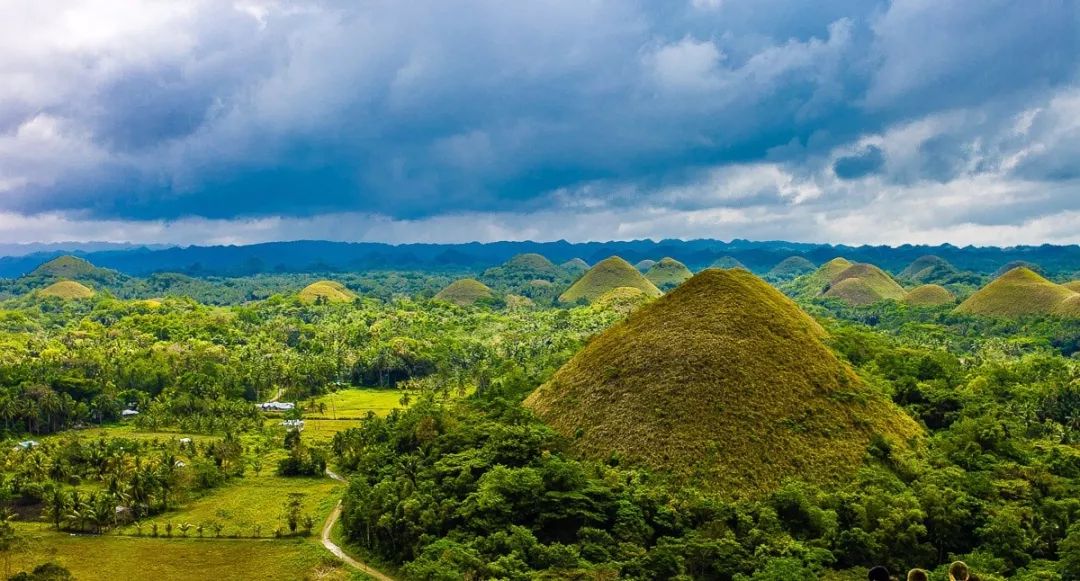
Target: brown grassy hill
[(465, 292), (930, 295), (67, 290), (326, 291), (1017, 293), (668, 274), (1073, 285), (724, 381), (610, 273), (873, 285)]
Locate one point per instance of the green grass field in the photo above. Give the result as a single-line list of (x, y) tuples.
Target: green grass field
[(249, 501), (356, 403), (91, 558)]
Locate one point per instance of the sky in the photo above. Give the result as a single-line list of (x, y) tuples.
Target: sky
[(843, 121)]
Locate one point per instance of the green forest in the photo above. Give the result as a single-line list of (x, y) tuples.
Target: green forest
[(534, 420)]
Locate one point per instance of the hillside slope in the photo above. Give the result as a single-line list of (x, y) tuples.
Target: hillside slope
[(328, 291), (465, 292)]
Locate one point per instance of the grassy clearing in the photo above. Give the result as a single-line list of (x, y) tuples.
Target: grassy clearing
[(356, 403), (90, 558), (252, 500)]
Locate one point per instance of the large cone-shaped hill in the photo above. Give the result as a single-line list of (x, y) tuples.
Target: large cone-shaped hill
[(326, 291), (66, 289), (1020, 292), (610, 273), (930, 295), (724, 381), (465, 292), (791, 267), (864, 284), (668, 274)]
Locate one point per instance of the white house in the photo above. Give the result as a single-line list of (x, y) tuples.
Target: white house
[(293, 424), (26, 445), (277, 406), (129, 413)]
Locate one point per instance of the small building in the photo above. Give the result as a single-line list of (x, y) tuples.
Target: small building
[(293, 424), (277, 406), (129, 413), (27, 445), (185, 440)]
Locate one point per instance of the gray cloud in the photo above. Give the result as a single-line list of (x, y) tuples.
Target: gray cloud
[(171, 113)]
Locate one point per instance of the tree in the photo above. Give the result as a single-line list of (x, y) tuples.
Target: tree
[(294, 505)]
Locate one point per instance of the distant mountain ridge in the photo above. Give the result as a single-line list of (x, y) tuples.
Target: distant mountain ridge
[(322, 256)]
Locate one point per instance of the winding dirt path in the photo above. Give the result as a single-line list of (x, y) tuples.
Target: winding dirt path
[(336, 550)]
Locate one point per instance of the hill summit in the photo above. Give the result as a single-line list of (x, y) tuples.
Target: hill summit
[(791, 267), (575, 266), (724, 381), (67, 290), (727, 263), (863, 284), (1021, 292), (668, 273), (465, 292), (326, 291), (930, 295), (529, 266), (65, 267), (927, 269), (610, 273)]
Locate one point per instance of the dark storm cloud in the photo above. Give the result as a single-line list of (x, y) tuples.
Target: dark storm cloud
[(420, 109)]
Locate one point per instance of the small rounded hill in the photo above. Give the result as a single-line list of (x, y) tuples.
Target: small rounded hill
[(529, 266), (724, 382), (863, 284), (622, 300), (465, 292), (67, 290), (1008, 266), (326, 291), (727, 263), (574, 266), (927, 269), (792, 267), (668, 273), (608, 274), (930, 295), (65, 267), (1017, 293), (645, 265)]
